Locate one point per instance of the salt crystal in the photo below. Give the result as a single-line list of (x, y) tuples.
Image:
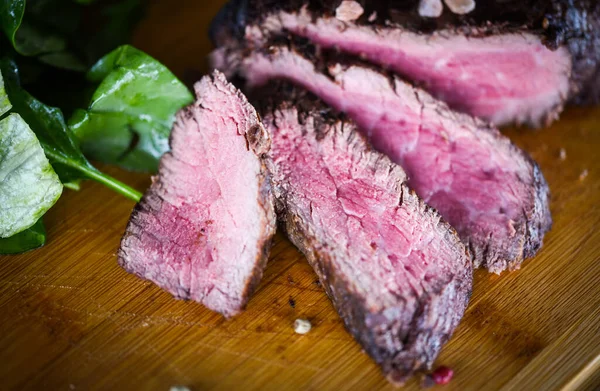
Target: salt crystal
[(460, 7), (563, 154), (431, 8), (349, 11), (302, 326)]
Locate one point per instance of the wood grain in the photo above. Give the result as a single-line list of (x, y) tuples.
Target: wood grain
[(70, 318)]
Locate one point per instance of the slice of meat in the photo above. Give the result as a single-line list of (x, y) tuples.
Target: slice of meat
[(396, 272), (203, 229), (520, 68), (487, 188)]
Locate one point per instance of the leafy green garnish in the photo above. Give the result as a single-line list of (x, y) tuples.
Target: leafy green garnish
[(4, 102), (52, 30), (130, 99), (11, 17), (29, 239), (55, 137), (44, 37), (28, 184), (129, 118)]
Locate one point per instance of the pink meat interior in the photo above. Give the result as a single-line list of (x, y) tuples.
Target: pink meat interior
[(386, 246), (501, 78), (478, 181), (201, 228)]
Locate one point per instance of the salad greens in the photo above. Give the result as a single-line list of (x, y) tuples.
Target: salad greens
[(130, 115), (28, 184), (52, 30), (43, 33), (32, 238), (120, 109), (4, 102), (11, 17), (55, 137)]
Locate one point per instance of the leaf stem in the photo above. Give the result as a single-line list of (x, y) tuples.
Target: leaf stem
[(113, 184), (98, 176)]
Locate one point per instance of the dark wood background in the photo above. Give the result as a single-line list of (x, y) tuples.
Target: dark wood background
[(71, 319)]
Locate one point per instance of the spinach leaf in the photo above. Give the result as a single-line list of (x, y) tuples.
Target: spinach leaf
[(64, 60), (129, 118), (53, 32), (28, 184), (55, 137), (30, 239), (32, 39), (11, 16), (4, 102)]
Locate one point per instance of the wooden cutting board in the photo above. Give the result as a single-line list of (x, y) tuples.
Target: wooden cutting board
[(71, 319)]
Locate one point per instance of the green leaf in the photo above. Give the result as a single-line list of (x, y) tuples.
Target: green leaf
[(27, 38), (130, 116), (63, 60), (30, 40), (11, 16), (28, 184), (105, 137), (55, 137), (29, 239), (4, 102)]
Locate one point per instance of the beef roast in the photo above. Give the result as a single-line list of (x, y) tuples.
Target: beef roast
[(203, 229), (486, 187), (506, 61), (396, 272)]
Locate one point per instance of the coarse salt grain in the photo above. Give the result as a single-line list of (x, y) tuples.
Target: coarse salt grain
[(302, 326), (460, 7), (349, 11), (431, 8), (563, 154)]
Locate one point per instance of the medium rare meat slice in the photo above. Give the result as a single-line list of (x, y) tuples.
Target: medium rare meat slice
[(487, 188), (203, 229), (396, 272), (520, 68)]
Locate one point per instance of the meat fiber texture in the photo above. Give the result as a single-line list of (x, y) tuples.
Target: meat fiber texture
[(203, 229), (487, 188), (505, 62), (396, 272)]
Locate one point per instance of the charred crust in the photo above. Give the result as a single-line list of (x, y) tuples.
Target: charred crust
[(571, 23), (414, 355), (400, 344), (507, 254), (259, 267), (266, 200)]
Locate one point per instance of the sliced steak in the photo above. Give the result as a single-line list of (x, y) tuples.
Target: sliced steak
[(487, 188), (203, 229), (396, 272), (507, 61)]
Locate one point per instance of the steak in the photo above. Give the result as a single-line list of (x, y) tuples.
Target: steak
[(506, 61), (396, 272), (488, 189), (203, 229)]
